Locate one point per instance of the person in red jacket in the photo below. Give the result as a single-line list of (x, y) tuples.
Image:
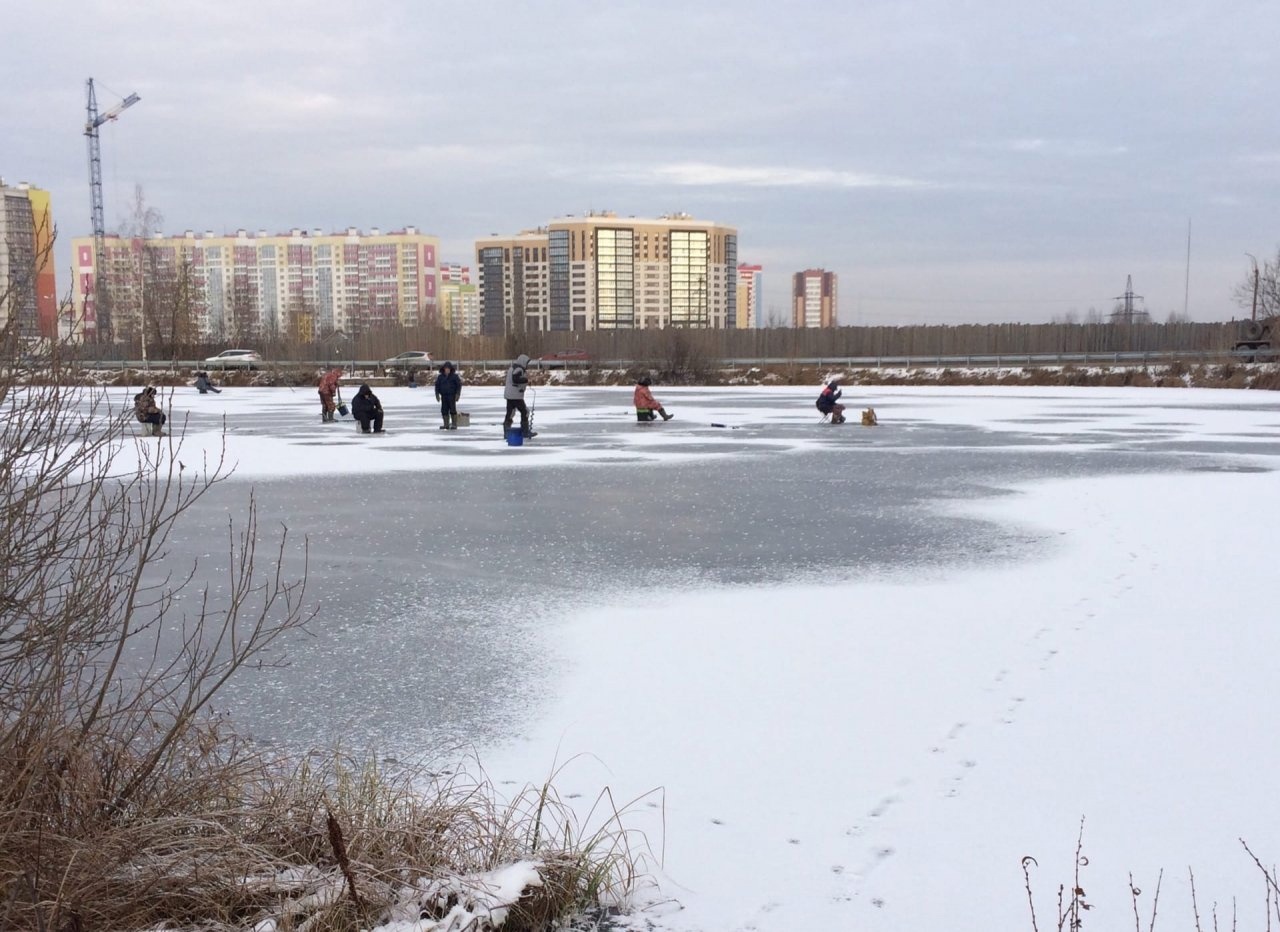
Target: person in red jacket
[(647, 407), (827, 402), (328, 386)]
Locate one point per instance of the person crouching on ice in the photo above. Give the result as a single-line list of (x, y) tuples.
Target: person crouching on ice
[(827, 402), (647, 407), (367, 409)]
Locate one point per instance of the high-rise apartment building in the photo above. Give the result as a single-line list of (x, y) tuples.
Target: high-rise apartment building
[(750, 297), (28, 285), (602, 272), (459, 300), (456, 273), (813, 298), (247, 286), (514, 286)]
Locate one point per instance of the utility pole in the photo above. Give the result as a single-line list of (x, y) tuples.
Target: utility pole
[(1253, 315)]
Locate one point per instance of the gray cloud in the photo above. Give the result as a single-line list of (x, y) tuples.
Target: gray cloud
[(995, 159)]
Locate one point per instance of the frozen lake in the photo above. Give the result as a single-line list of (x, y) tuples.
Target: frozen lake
[(442, 556), (810, 637)]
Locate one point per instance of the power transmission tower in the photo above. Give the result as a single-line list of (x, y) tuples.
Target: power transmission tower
[(1126, 313), (92, 121)]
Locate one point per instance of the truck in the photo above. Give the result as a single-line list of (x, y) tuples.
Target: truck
[(1254, 340)]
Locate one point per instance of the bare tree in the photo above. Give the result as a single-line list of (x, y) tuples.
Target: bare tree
[(106, 678), (1260, 289)]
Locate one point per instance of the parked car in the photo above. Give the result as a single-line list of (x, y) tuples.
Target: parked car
[(413, 359), (235, 359), (560, 358)]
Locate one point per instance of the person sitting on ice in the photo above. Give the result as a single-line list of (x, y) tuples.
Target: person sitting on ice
[(367, 409), (826, 402), (647, 407), (148, 412), (204, 384)]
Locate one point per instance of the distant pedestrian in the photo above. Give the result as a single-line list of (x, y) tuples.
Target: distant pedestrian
[(647, 407), (204, 384), (367, 409), (148, 412), (513, 391), (448, 391), (826, 402), (328, 386)]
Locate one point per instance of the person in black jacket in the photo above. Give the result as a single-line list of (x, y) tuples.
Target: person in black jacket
[(367, 409), (448, 391)]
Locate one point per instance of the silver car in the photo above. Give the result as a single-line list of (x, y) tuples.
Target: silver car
[(414, 359), (235, 359)]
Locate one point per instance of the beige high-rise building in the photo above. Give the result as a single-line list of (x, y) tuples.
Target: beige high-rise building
[(603, 272), (460, 308), (813, 299), (242, 287)]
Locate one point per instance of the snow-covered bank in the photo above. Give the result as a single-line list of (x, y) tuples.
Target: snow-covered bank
[(882, 754), (273, 432)]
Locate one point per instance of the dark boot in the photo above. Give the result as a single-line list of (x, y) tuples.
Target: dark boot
[(445, 425), (665, 415), (453, 422)]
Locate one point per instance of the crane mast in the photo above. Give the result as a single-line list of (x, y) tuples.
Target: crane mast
[(93, 120)]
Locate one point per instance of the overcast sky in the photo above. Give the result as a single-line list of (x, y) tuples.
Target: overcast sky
[(951, 160)]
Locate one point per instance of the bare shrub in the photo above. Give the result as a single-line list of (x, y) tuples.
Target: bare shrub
[(125, 801)]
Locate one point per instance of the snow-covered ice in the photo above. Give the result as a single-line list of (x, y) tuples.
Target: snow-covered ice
[(851, 677)]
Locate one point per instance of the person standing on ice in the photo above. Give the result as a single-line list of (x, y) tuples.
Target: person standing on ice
[(513, 391), (327, 387), (826, 402), (647, 407), (367, 409), (448, 391)]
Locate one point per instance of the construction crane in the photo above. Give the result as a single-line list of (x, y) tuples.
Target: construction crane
[(92, 122)]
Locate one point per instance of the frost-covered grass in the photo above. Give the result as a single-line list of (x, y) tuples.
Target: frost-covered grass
[(331, 844)]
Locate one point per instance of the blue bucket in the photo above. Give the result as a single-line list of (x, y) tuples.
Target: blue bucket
[(514, 437)]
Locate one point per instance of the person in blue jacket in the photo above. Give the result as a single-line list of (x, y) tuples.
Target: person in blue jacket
[(448, 391)]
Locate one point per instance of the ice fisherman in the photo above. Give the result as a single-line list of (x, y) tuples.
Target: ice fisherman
[(328, 385), (367, 409), (448, 391), (204, 384), (827, 401), (513, 391), (647, 407), (148, 412)]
